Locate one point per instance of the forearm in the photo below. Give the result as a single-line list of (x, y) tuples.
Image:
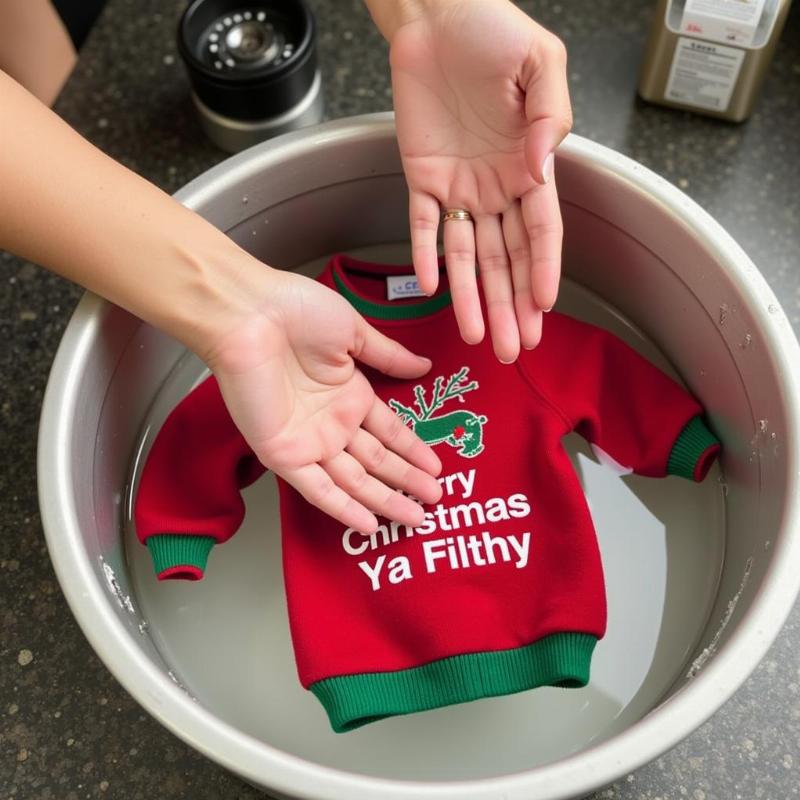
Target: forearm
[(35, 47), (72, 209)]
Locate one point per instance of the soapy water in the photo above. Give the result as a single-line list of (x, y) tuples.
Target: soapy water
[(181, 685), (227, 636), (123, 600), (707, 652)]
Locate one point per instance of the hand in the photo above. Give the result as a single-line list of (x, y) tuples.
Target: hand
[(288, 377), (281, 345), (481, 102)]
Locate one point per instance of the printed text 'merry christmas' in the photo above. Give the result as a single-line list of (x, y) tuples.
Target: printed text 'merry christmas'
[(454, 552)]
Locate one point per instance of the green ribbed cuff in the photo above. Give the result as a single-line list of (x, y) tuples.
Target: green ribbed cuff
[(561, 659), (693, 451), (171, 550)]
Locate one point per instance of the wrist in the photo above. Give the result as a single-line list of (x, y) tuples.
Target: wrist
[(391, 15), (217, 286)]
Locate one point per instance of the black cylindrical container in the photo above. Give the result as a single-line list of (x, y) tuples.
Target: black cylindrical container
[(253, 68)]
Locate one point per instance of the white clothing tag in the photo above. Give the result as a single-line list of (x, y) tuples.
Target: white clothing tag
[(400, 286)]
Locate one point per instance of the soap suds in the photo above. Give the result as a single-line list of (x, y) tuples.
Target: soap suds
[(707, 652)]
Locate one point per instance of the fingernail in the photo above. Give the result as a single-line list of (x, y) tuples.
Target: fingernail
[(547, 167), (368, 531), (547, 309)]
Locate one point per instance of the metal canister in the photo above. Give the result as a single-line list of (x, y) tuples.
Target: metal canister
[(253, 68), (711, 56)]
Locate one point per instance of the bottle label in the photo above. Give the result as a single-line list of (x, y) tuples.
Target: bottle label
[(703, 74), (724, 21)]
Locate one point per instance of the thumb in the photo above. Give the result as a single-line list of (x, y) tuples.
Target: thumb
[(387, 355), (547, 106)]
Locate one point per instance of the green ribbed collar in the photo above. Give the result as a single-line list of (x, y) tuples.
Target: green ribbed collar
[(371, 308)]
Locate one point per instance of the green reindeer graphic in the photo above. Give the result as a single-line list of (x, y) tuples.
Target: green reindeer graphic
[(461, 429)]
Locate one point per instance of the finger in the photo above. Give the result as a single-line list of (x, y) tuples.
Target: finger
[(542, 216), (393, 470), (459, 257), (423, 210), (387, 427), (529, 315), (318, 487), (373, 494), (547, 105), (495, 272), (387, 355)]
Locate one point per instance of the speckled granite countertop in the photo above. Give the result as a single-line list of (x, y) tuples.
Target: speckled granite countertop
[(68, 729)]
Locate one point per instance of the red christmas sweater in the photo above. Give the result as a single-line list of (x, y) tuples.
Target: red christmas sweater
[(501, 588)]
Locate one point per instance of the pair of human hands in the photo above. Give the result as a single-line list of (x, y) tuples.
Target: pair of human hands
[(481, 103)]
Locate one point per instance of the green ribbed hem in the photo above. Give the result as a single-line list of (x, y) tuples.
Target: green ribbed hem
[(561, 659), (693, 450), (381, 311), (179, 550)]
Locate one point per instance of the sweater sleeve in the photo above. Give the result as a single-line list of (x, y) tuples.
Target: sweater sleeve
[(620, 402), (189, 493)]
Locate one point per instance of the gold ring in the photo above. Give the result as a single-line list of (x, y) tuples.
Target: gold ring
[(456, 213)]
